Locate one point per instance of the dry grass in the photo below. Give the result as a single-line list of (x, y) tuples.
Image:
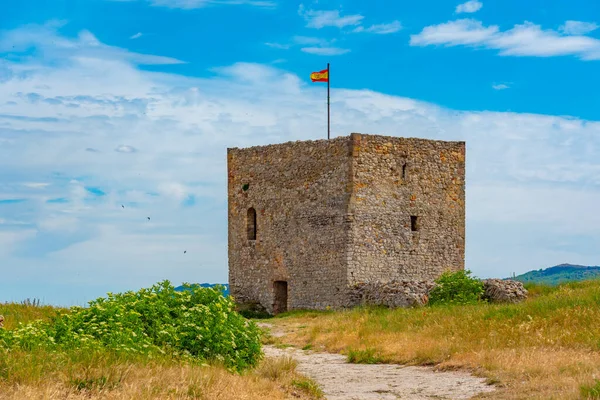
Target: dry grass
[(545, 348), (104, 375), (273, 379), (25, 312), (155, 381)]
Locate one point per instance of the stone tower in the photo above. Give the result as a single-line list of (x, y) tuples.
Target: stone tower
[(307, 219)]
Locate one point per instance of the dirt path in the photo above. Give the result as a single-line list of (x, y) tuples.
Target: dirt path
[(340, 380)]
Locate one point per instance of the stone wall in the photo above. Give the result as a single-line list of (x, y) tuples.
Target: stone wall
[(300, 191), (394, 179), (415, 293)]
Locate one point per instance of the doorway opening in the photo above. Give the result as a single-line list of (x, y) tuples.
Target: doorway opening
[(281, 295)]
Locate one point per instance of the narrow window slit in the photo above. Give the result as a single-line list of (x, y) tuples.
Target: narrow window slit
[(414, 223), (251, 222)]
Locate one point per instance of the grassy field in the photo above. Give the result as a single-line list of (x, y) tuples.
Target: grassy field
[(547, 347), (77, 374)]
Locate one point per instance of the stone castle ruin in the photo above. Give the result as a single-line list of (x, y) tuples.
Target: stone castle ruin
[(309, 219)]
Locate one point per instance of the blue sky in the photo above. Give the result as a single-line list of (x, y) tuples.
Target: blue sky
[(113, 111)]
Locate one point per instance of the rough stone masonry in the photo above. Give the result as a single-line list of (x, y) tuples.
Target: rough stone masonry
[(309, 219)]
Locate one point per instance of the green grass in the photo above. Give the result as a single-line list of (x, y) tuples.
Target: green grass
[(309, 387), (591, 391), (366, 356), (15, 313)]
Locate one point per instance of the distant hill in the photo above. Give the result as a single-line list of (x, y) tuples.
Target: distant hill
[(225, 292), (559, 274)]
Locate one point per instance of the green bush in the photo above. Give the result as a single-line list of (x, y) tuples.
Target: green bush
[(456, 288), (199, 324)]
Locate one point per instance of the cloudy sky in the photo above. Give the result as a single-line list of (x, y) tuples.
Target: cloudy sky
[(113, 111)]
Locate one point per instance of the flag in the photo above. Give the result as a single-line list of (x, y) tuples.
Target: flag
[(321, 76)]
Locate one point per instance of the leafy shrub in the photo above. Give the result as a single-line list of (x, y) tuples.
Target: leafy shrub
[(456, 288), (198, 324)]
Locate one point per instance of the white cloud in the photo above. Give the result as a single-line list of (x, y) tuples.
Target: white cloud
[(85, 46), (526, 39), (174, 190), (309, 40), (54, 223), (313, 45), (453, 33), (331, 18), (136, 36), (528, 176), (9, 239), (577, 27), (125, 149), (246, 73), (322, 18), (190, 4), (470, 6), (4, 221), (325, 51), (36, 185), (278, 45), (193, 4), (381, 29), (500, 86)]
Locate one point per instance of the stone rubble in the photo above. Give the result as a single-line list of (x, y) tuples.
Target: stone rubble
[(402, 293), (414, 293), (504, 291)]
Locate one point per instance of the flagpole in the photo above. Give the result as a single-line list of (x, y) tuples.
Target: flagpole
[(328, 78)]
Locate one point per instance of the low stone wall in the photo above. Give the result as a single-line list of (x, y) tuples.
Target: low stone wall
[(410, 293), (504, 291), (404, 293)]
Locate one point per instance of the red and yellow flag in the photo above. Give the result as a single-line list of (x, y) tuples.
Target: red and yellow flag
[(321, 76)]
